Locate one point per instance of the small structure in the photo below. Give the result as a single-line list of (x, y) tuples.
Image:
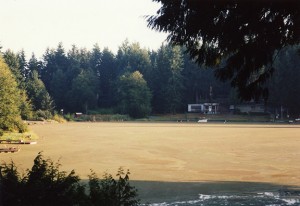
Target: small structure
[(78, 114), (211, 108), (9, 141), (205, 108), (198, 108)]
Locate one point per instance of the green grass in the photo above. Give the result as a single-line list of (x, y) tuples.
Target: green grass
[(18, 136)]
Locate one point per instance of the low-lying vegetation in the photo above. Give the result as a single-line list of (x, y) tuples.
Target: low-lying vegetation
[(44, 184)]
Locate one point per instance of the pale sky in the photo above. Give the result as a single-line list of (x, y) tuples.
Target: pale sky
[(34, 25)]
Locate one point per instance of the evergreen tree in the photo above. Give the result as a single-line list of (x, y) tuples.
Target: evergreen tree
[(284, 85), (78, 59), (23, 64), (54, 60), (13, 61), (175, 81), (59, 90), (160, 74), (107, 71), (166, 80), (25, 106), (54, 75), (131, 56), (38, 94), (34, 66), (96, 58)]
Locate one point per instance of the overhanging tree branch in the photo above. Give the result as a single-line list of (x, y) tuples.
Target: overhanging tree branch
[(239, 37)]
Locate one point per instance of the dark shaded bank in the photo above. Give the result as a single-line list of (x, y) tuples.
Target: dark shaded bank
[(170, 192)]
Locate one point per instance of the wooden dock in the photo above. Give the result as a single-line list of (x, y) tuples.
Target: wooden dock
[(9, 149), (16, 142)]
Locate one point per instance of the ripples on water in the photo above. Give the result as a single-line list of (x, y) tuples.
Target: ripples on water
[(258, 199)]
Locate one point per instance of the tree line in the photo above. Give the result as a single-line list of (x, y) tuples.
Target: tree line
[(134, 81)]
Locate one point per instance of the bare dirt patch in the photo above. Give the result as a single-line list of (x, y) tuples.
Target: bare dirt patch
[(174, 152)]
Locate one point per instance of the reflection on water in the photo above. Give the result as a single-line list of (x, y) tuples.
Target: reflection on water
[(256, 199)]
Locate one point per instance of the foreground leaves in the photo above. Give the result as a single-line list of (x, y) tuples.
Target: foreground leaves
[(46, 185)]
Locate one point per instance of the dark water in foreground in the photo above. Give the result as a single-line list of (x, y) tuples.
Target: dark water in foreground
[(259, 199), (217, 194)]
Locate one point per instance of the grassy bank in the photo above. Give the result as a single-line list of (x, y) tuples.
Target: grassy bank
[(19, 136), (182, 117)]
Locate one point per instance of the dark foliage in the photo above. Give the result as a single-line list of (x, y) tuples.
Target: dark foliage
[(134, 95), (45, 185), (241, 37), (90, 81), (109, 191)]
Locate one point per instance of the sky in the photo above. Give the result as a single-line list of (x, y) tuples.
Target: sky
[(35, 25)]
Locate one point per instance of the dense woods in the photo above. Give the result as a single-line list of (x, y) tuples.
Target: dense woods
[(134, 81)]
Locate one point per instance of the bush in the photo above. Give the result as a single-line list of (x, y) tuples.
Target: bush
[(69, 117), (42, 115), (46, 185), (83, 118), (120, 117), (21, 126), (109, 191), (15, 125), (1, 132), (59, 118)]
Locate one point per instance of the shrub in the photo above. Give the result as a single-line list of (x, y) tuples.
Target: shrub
[(42, 115), (69, 117), (109, 191), (120, 117), (21, 127), (59, 118), (46, 185)]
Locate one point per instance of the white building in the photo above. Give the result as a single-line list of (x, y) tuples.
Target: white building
[(195, 108), (206, 108)]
